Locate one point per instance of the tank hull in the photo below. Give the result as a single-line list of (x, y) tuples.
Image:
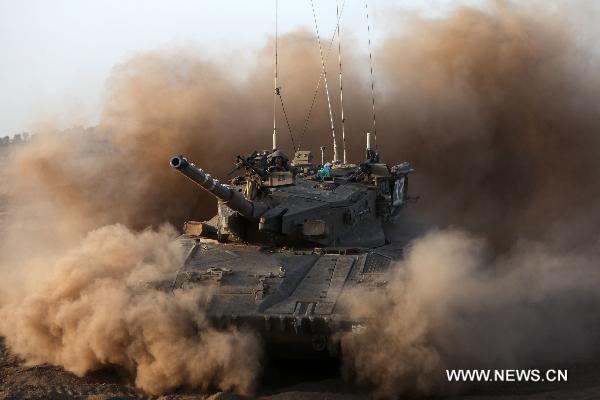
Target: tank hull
[(289, 297)]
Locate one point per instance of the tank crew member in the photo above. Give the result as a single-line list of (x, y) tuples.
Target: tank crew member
[(325, 172), (278, 161)]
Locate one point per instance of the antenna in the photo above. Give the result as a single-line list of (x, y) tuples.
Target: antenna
[(314, 98), (372, 80), (337, 13), (275, 89), (335, 155)]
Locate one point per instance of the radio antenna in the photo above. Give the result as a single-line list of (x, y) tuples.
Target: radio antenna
[(372, 80), (335, 153), (275, 90), (337, 12)]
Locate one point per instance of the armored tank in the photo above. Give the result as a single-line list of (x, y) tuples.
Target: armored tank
[(288, 240)]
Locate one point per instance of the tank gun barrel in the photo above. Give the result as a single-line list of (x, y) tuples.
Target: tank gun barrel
[(231, 197)]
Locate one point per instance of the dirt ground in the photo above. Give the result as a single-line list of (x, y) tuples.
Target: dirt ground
[(47, 382), (296, 381), (42, 382)]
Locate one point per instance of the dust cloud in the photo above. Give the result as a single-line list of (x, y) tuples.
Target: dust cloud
[(86, 229), (94, 310), (452, 304), (495, 106), (498, 110)]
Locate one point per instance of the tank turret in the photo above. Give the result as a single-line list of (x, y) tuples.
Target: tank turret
[(271, 205)]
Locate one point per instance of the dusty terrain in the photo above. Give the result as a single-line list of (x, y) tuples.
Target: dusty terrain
[(41, 382), (300, 380)]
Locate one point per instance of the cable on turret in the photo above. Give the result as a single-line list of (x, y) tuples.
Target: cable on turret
[(287, 121)]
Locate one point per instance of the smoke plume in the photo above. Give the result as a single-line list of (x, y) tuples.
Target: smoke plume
[(495, 106)]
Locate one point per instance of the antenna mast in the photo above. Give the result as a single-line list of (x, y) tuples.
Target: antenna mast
[(337, 12), (314, 98), (275, 88), (372, 80), (335, 153)]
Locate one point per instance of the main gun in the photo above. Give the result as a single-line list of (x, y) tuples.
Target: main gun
[(229, 196)]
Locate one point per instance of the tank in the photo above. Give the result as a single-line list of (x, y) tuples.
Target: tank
[(287, 241)]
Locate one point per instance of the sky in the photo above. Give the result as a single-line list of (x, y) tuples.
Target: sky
[(55, 55)]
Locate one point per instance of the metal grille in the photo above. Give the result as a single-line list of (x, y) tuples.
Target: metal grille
[(376, 264)]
